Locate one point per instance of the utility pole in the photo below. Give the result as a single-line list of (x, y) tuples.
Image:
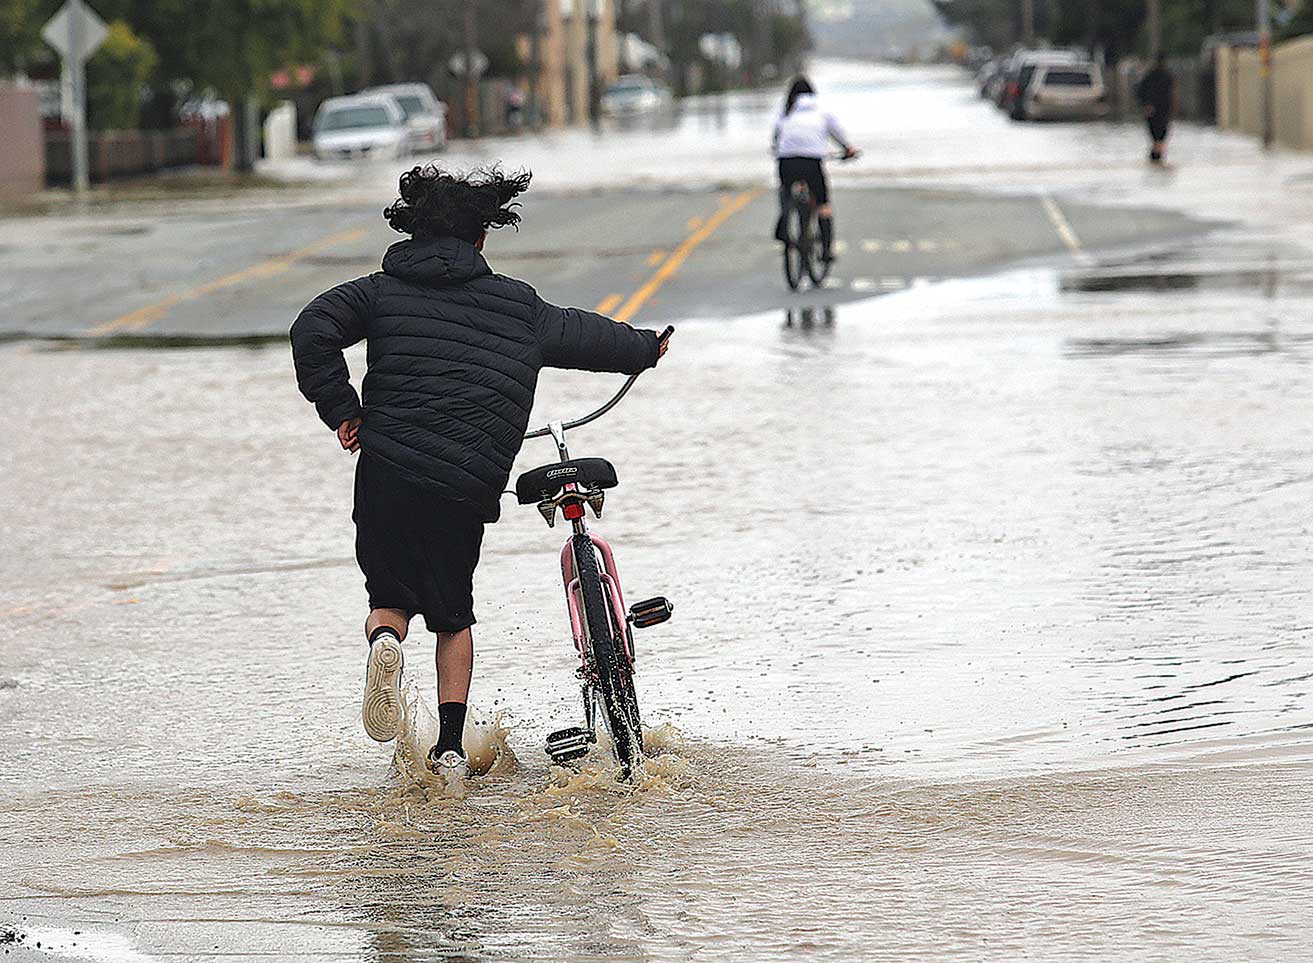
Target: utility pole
[(536, 64), (471, 75), (1028, 22), (656, 25), (594, 13), (1264, 17), (1154, 22)]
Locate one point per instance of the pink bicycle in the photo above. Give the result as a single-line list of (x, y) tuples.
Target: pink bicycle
[(601, 626)]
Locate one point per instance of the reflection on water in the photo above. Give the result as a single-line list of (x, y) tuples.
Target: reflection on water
[(810, 317), (1216, 343), (1271, 280)]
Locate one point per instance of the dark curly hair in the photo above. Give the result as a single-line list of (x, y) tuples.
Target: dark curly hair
[(438, 203)]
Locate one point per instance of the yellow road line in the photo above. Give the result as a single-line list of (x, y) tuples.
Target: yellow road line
[(681, 253), (142, 317), (608, 303), (656, 257), (1063, 227), (694, 223)]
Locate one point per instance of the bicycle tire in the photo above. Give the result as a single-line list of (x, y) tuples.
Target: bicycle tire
[(795, 226), (615, 676), (817, 268)]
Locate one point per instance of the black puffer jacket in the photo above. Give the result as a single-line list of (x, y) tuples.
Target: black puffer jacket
[(454, 353)]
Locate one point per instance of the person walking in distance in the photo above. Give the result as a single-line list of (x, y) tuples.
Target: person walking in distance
[(1156, 93), (453, 355)]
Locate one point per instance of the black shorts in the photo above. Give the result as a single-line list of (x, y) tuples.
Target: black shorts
[(808, 169), (1158, 126), (418, 551)]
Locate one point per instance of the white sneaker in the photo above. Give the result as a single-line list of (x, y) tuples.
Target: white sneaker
[(381, 711), (450, 765)]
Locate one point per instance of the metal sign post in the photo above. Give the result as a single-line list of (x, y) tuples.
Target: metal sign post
[(75, 31)]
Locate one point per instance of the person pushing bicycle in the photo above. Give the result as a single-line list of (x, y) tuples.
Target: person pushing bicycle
[(800, 143), (453, 355)]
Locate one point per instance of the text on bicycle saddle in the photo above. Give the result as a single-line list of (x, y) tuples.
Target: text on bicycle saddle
[(538, 484)]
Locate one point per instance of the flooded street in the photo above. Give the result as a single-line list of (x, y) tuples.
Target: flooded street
[(992, 640)]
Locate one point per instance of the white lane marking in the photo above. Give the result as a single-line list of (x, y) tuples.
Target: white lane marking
[(840, 246), (902, 247), (1063, 227), (872, 246), (927, 246), (862, 284), (893, 284)]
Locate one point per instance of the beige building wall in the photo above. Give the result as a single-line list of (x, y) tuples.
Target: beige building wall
[(1240, 92), (1292, 93), (563, 56), (22, 142), (1249, 92)]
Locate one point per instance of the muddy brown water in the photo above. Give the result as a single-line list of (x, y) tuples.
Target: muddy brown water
[(988, 645)]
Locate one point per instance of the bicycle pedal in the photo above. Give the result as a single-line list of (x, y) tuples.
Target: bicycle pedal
[(651, 612), (567, 744)]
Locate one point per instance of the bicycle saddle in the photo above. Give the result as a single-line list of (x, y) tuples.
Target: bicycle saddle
[(539, 484)]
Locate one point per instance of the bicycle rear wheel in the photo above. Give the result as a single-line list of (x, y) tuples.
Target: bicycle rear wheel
[(615, 677), (795, 230)]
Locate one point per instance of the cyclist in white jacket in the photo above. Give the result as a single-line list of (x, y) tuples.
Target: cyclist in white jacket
[(801, 142)]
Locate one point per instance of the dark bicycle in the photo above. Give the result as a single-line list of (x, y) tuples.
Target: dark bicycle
[(601, 626), (803, 248)]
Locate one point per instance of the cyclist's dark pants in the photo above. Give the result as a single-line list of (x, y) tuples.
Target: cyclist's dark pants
[(811, 171), (808, 169)]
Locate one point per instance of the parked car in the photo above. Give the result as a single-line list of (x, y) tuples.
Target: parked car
[(426, 116), (348, 128), (1021, 70), (634, 94), (1072, 91)]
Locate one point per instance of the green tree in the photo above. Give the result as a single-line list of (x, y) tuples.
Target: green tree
[(117, 76), (20, 37), (1115, 26)]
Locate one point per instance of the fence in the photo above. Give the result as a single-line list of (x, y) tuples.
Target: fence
[(123, 153)]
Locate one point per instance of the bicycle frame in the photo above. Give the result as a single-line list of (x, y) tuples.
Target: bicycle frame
[(610, 575)]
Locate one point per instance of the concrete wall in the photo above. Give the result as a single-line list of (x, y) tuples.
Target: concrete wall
[(1240, 92), (22, 146)]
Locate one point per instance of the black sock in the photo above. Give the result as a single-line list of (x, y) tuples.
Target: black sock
[(373, 636), (827, 233), (451, 723)]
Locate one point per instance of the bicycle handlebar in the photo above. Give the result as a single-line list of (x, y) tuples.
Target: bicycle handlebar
[(662, 338)]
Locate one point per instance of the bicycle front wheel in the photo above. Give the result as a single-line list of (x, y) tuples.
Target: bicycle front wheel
[(615, 676), (795, 230)]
